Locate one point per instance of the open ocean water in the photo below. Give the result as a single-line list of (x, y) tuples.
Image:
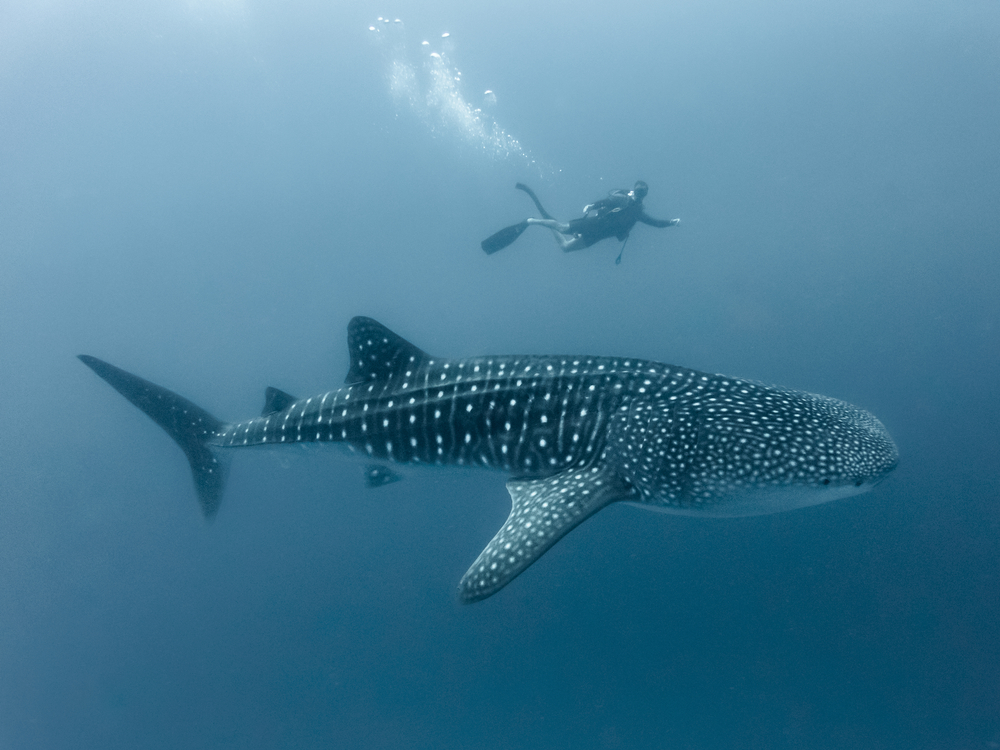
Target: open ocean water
[(204, 192)]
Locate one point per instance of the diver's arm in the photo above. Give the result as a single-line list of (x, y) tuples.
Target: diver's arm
[(647, 219)]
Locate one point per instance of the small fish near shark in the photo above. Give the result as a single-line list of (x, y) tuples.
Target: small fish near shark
[(577, 433)]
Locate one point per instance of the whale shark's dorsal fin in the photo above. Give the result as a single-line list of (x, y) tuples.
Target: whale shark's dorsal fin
[(377, 353), (542, 512), (275, 401)]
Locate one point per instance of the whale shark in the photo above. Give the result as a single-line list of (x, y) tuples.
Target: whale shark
[(575, 434)]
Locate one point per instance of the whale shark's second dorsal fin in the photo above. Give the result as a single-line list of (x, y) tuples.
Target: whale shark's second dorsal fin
[(377, 353), (275, 401)]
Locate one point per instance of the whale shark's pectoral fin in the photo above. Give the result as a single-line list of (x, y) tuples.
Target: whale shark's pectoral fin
[(542, 512)]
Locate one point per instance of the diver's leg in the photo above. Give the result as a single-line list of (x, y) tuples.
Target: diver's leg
[(555, 226), (559, 230), (571, 242), (566, 239)]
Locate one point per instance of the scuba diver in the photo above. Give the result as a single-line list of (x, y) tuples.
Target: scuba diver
[(613, 216)]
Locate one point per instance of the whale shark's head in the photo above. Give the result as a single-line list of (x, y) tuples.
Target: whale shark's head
[(738, 448), (859, 451)]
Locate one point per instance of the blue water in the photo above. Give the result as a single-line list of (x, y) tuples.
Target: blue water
[(205, 191)]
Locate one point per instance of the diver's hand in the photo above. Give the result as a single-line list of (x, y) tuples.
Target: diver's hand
[(674, 222)]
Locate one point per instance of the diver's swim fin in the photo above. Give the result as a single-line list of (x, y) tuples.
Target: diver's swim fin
[(538, 204), (504, 237)]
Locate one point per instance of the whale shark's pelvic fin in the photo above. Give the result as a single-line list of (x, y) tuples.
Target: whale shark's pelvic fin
[(377, 475)]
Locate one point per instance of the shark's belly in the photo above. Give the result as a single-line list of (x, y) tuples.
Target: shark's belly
[(759, 501)]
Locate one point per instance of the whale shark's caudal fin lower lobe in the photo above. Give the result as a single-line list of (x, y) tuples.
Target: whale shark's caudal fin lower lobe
[(190, 426)]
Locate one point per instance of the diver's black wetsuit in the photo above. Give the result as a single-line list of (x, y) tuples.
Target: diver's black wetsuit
[(613, 216)]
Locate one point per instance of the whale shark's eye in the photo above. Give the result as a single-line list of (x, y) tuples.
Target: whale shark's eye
[(826, 481), (859, 482)]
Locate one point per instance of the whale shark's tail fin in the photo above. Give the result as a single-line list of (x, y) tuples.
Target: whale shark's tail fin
[(190, 426)]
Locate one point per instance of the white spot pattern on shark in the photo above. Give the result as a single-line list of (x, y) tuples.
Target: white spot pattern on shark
[(578, 433)]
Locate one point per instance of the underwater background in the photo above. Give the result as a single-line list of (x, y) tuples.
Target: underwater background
[(204, 192)]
